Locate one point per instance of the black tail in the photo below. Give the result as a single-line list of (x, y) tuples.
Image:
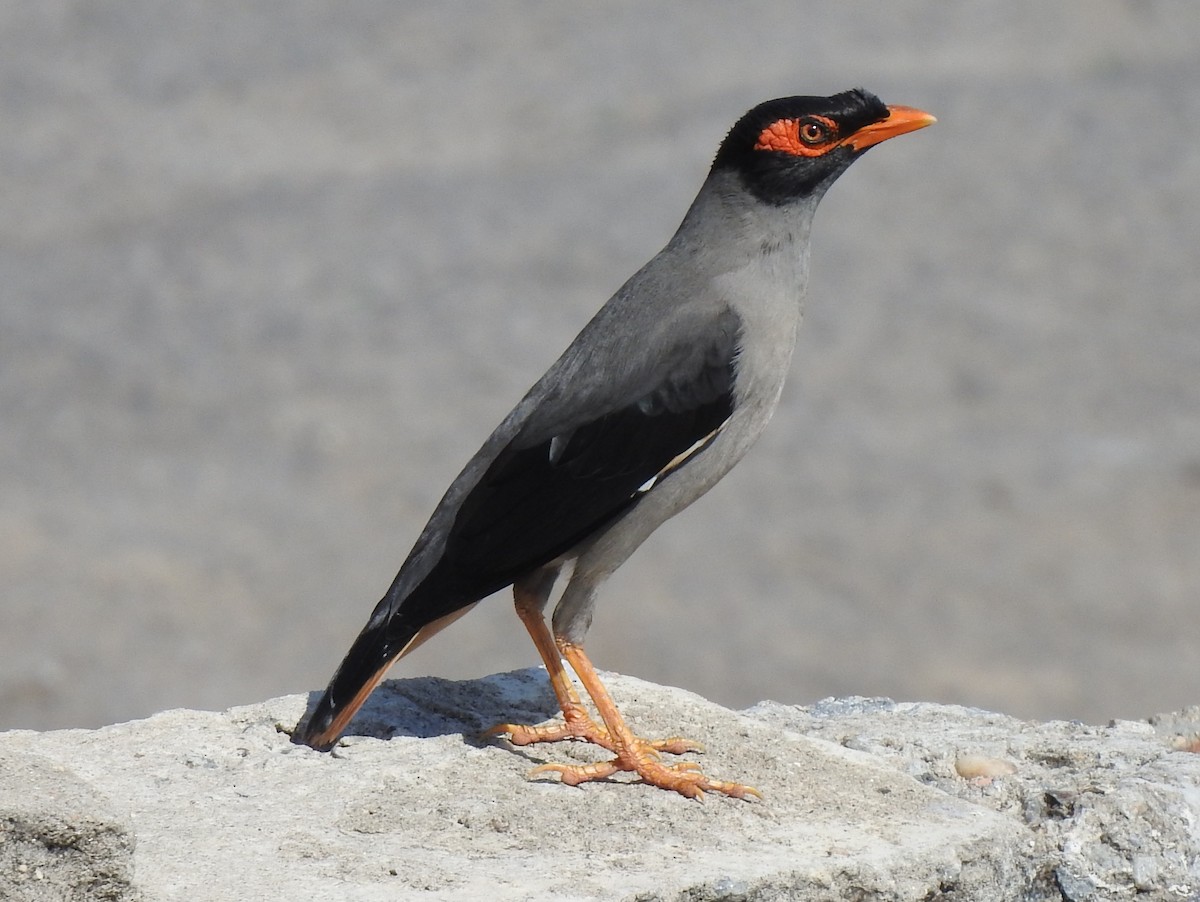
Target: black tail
[(383, 639)]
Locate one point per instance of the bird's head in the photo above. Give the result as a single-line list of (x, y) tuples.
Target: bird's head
[(794, 147)]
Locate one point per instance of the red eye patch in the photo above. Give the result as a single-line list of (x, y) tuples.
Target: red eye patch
[(818, 135)]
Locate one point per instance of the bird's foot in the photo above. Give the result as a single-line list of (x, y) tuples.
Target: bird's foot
[(685, 778), (577, 724)]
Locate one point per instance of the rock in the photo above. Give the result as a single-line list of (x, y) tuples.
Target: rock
[(59, 837), (861, 800)]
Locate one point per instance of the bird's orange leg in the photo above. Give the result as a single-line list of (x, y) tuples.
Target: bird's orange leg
[(632, 754), (577, 724)]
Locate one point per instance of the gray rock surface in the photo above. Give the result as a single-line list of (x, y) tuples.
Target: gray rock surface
[(270, 272), (60, 837), (863, 800)]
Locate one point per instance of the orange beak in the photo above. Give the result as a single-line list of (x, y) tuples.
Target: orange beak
[(901, 119)]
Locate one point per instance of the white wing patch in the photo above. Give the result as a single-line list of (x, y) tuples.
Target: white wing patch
[(679, 460), (558, 445)]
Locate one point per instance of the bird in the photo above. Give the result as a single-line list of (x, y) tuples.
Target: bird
[(657, 398)]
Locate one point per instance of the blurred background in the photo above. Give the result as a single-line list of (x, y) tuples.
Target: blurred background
[(271, 272)]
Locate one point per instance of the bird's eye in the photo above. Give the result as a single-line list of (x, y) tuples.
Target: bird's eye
[(813, 132), (807, 136)]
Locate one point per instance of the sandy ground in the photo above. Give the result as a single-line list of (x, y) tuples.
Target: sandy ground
[(270, 274)]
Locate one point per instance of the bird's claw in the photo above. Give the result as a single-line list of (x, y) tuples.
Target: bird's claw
[(578, 725), (677, 745), (685, 778), (636, 755)]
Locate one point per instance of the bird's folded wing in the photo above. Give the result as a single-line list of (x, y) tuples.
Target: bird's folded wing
[(554, 485)]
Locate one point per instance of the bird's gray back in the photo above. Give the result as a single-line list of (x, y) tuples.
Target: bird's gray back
[(744, 270)]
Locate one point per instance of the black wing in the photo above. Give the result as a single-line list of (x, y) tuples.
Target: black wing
[(544, 494), (581, 457)]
